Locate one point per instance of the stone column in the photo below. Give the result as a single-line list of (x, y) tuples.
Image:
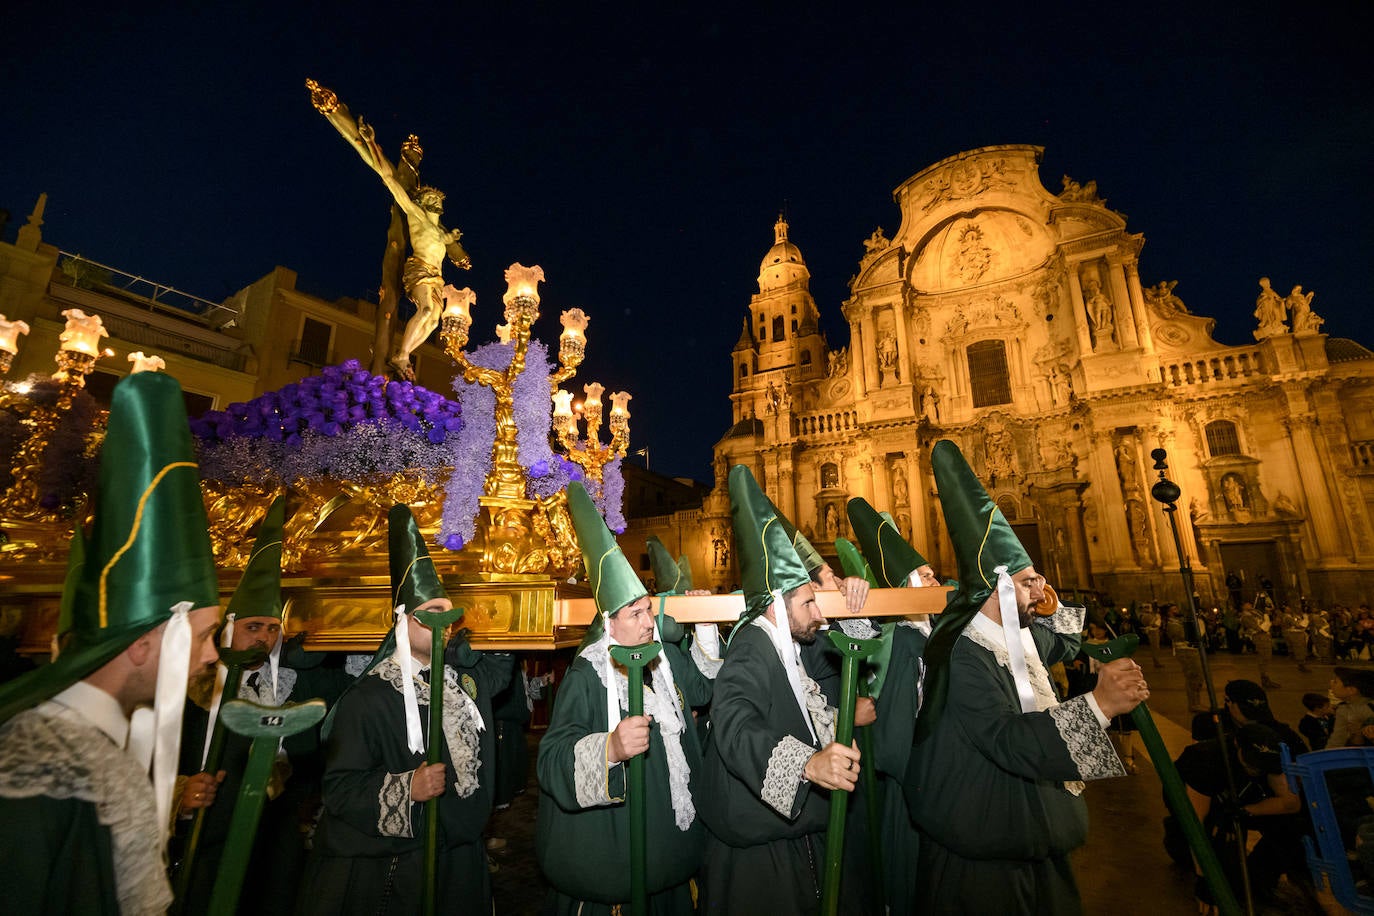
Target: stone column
[(866, 478), (787, 490), (870, 352), (1317, 490), (1138, 307), (903, 346), (1079, 311), (1078, 541), (858, 344), (1122, 306)]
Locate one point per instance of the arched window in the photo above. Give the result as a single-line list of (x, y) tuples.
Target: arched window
[(988, 377), (1222, 438), (794, 325), (778, 328), (806, 358), (1008, 507)]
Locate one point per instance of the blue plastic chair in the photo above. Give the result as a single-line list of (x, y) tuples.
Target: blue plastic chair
[(1326, 857)]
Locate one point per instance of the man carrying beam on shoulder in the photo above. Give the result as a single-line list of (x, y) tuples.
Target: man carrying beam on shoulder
[(277, 676), (372, 842), (896, 688), (771, 761), (583, 831), (995, 778)]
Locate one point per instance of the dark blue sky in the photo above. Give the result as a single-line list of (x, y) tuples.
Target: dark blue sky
[(642, 157)]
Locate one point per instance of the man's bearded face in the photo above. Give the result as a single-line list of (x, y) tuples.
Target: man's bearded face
[(803, 614)]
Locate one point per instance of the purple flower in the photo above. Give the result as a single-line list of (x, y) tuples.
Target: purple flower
[(453, 542)]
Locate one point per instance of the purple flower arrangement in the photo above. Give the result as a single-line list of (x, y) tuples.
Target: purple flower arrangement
[(343, 423), (347, 423)]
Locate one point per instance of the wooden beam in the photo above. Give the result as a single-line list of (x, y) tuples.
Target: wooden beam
[(882, 602)]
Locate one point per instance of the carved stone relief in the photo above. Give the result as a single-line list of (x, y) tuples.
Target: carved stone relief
[(967, 179), (1097, 301)]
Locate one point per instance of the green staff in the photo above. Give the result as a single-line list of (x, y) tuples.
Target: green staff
[(854, 651), (635, 659), (438, 622), (235, 662), (267, 726), (1175, 795)]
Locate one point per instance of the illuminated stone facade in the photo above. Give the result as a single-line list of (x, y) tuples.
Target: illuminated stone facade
[(1013, 320)]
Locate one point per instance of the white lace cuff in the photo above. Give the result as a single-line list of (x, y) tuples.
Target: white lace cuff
[(1067, 619), (706, 650), (785, 774), (393, 805), (591, 771), (859, 628), (1087, 742)]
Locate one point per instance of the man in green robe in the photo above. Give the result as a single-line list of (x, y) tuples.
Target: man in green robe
[(771, 759), (82, 829), (369, 847), (287, 675), (896, 688), (582, 838), (995, 779)]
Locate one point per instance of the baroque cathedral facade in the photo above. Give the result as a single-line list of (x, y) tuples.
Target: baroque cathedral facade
[(1013, 321)]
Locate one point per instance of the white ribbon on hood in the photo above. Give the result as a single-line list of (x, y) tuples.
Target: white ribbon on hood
[(415, 739)]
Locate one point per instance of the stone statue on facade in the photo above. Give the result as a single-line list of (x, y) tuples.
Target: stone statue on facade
[(1075, 192), (1233, 492), (930, 405), (876, 242), (1285, 507), (1305, 321), (1099, 311), (900, 494), (887, 358), (1162, 297), (430, 242), (1001, 453), (1270, 312), (837, 363)]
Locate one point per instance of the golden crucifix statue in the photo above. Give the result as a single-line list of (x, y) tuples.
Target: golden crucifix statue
[(417, 207)]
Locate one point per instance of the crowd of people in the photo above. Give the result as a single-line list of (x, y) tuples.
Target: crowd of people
[(967, 779)]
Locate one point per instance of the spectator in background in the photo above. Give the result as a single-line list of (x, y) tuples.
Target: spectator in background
[(1317, 722), (1352, 689)]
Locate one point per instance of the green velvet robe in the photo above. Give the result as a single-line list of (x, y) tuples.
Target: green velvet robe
[(987, 791), (369, 847), (765, 848), (279, 850), (65, 789), (582, 838), (892, 736)]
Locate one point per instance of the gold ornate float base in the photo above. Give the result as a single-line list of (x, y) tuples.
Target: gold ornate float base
[(336, 579)]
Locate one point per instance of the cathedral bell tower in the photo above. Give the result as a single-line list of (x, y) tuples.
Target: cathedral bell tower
[(781, 343)]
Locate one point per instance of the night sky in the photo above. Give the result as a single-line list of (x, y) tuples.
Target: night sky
[(641, 158)]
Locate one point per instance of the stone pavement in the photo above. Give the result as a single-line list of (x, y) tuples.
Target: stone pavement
[(1123, 869)]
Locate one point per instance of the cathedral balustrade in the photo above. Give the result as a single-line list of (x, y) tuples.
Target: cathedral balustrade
[(1233, 365), (820, 424), (1362, 456)]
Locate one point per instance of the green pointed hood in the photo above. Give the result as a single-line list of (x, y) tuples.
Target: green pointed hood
[(983, 540), (148, 550), (670, 578), (887, 552), (258, 593), (853, 563), (414, 580), (613, 580), (810, 558), (768, 561)]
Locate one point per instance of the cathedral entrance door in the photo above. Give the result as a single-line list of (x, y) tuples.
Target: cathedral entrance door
[(1251, 561)]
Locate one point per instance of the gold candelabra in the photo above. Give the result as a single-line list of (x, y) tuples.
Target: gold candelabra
[(9, 341), (589, 452), (507, 477)]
